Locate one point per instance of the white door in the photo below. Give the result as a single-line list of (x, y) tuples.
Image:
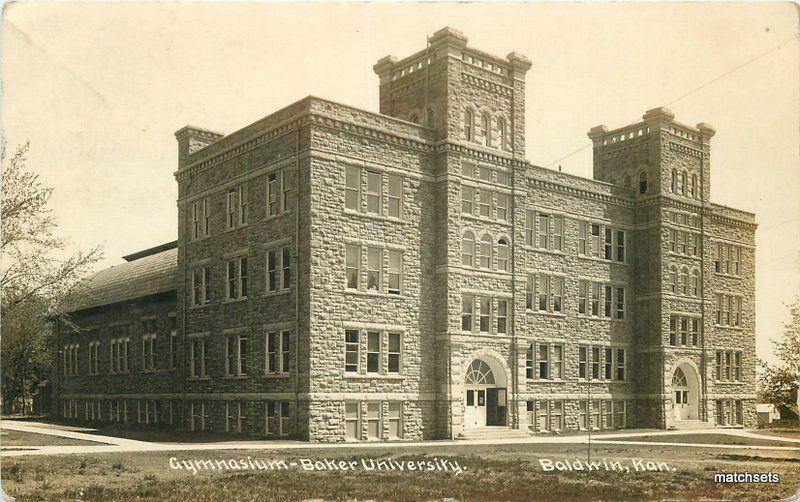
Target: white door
[(475, 415)]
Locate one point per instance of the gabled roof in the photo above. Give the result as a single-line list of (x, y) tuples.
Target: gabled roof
[(150, 274)]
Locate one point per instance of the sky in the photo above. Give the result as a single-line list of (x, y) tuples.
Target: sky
[(100, 88)]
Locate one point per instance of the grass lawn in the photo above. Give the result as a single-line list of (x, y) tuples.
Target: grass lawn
[(16, 438), (711, 438), (507, 472)]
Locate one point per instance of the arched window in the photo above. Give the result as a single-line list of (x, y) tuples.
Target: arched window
[(468, 249), (643, 182), (682, 183), (673, 279), (502, 254), (679, 379), (486, 251), (695, 284), (468, 125), (683, 282), (479, 373), (627, 181), (487, 131), (414, 118), (693, 190), (429, 121), (674, 181), (501, 132)]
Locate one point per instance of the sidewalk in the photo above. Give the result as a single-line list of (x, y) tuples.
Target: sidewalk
[(118, 445)]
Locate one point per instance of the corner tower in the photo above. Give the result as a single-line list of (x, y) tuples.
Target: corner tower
[(464, 94)]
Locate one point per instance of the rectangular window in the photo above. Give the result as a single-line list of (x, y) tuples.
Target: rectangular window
[(595, 299), (373, 192), (285, 353), (201, 286), (201, 219), (718, 258), (608, 415), (620, 245), (620, 364), (557, 415), (485, 315), (558, 233), (286, 185), (394, 420), (272, 270), (595, 363), (373, 420), (286, 263), (529, 285), (529, 362), (353, 259), (351, 351), (274, 193), (503, 178), (198, 358), (232, 207), (394, 353), (543, 231), (557, 293), (583, 235), (467, 200), (608, 246), (595, 251), (352, 189), (173, 349), (620, 303), (468, 170), (596, 415), (673, 331), (582, 355), (608, 363), (718, 367), (541, 292), (544, 362), (236, 355), (352, 421), (395, 272), (608, 300), (373, 352), (374, 269), (485, 174), (695, 332), (583, 301), (583, 407), (619, 414), (237, 280), (485, 203), (542, 417), (395, 195), (557, 370), (529, 230), (502, 316), (148, 358), (467, 311), (502, 207), (737, 366)]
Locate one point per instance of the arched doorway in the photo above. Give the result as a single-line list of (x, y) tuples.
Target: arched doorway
[(685, 393), (485, 400)]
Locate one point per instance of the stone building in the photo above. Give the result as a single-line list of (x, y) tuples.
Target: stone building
[(344, 274)]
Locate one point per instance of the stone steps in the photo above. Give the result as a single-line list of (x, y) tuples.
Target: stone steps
[(493, 433), (691, 424)]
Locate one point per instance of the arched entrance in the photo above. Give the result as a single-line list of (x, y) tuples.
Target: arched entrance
[(485, 399), (685, 393)]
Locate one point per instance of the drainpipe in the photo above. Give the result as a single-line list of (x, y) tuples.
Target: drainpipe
[(297, 281), (183, 296)]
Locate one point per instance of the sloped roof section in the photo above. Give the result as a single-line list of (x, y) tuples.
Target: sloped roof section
[(151, 274)]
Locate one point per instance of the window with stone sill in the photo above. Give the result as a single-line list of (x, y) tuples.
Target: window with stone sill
[(590, 237), (602, 363), (279, 269), (371, 191), (201, 218), (278, 351), (237, 283), (236, 350), (237, 202)]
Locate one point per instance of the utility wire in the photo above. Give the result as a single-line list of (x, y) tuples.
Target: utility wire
[(754, 58)]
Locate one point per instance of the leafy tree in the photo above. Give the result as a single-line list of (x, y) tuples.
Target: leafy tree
[(36, 273), (779, 383)]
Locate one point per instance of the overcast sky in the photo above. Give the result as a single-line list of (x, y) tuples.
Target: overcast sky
[(99, 89)]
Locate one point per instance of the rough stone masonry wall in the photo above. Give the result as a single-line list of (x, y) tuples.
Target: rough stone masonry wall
[(333, 308), (109, 322)]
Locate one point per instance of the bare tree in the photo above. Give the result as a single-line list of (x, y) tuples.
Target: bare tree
[(35, 276)]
